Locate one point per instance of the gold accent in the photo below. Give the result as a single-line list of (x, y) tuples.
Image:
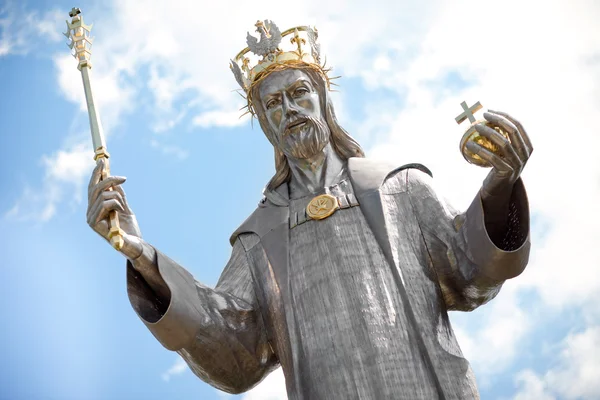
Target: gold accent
[(298, 41), (472, 135), (81, 41), (322, 206), (101, 153), (303, 28), (280, 60), (288, 64), (115, 235), (261, 25), (245, 65)]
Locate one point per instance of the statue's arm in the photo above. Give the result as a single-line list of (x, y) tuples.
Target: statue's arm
[(219, 332), (470, 266)]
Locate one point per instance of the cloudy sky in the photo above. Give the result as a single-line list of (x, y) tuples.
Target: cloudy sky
[(195, 171)]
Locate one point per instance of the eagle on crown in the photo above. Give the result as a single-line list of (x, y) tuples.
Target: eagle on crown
[(273, 58)]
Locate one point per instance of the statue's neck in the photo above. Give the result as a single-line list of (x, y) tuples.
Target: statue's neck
[(311, 175)]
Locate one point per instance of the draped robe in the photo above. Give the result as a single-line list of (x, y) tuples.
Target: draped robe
[(232, 336)]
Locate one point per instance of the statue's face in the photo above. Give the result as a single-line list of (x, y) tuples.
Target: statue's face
[(293, 112)]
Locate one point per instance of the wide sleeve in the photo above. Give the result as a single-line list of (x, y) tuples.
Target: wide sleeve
[(470, 267), (219, 332)]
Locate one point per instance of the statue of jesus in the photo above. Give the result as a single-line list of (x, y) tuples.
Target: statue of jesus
[(345, 273)]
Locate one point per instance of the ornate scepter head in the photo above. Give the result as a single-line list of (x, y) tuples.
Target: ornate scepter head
[(80, 41)]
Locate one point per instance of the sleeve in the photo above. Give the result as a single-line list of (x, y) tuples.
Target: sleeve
[(219, 332), (470, 267)]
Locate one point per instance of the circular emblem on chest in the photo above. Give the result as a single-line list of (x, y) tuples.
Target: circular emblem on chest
[(322, 206)]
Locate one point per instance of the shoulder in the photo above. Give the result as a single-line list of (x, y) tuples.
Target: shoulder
[(370, 174), (265, 218)]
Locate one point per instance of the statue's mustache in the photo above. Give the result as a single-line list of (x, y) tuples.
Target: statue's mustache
[(299, 120)]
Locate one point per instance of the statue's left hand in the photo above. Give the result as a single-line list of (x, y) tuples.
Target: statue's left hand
[(513, 154)]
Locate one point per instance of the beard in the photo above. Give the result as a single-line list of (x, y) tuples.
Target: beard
[(307, 141)]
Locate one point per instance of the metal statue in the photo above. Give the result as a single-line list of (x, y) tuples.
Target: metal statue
[(345, 272)]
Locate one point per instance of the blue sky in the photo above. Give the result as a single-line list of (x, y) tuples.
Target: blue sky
[(195, 171)]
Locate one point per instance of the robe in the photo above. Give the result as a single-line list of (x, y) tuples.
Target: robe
[(232, 336)]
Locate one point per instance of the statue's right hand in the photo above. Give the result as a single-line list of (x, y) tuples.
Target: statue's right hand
[(104, 196)]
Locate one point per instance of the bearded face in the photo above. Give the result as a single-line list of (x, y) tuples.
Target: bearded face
[(293, 115)]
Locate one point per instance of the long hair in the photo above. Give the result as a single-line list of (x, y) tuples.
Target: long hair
[(343, 144)]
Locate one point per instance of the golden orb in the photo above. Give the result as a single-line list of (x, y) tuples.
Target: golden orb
[(472, 135)]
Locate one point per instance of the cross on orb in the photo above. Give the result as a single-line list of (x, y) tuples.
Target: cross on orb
[(468, 112)]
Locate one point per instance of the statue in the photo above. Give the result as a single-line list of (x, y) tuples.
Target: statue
[(346, 270)]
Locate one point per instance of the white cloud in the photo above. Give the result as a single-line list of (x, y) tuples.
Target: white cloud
[(24, 31), (178, 368), (489, 337), (69, 166), (220, 118), (272, 388), (35, 205), (112, 95), (65, 173), (531, 387), (175, 151), (574, 376)]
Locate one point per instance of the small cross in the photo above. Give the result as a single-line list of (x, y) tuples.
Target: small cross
[(261, 26), (74, 11), (468, 112)]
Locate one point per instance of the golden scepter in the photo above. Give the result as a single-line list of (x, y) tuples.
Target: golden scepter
[(81, 44)]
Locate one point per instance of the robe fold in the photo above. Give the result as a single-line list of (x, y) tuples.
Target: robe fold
[(425, 259)]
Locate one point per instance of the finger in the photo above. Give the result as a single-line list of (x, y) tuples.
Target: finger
[(94, 209), (92, 216), (505, 147), (504, 123), (520, 127), (501, 166), (95, 197), (120, 190), (513, 134), (96, 174), (113, 195), (107, 183), (107, 207)]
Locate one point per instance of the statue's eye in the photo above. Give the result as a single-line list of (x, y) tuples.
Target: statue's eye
[(301, 91), (272, 103)]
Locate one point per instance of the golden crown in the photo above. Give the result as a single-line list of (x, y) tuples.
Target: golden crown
[(273, 58)]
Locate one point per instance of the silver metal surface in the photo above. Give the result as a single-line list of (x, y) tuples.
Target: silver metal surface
[(98, 140), (353, 306), (270, 37), (468, 112)]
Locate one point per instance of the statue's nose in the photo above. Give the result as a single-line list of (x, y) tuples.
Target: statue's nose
[(289, 108)]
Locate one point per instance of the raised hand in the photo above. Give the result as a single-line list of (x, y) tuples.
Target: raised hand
[(512, 157), (107, 195)]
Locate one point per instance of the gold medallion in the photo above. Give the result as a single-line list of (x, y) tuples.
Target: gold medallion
[(322, 206)]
